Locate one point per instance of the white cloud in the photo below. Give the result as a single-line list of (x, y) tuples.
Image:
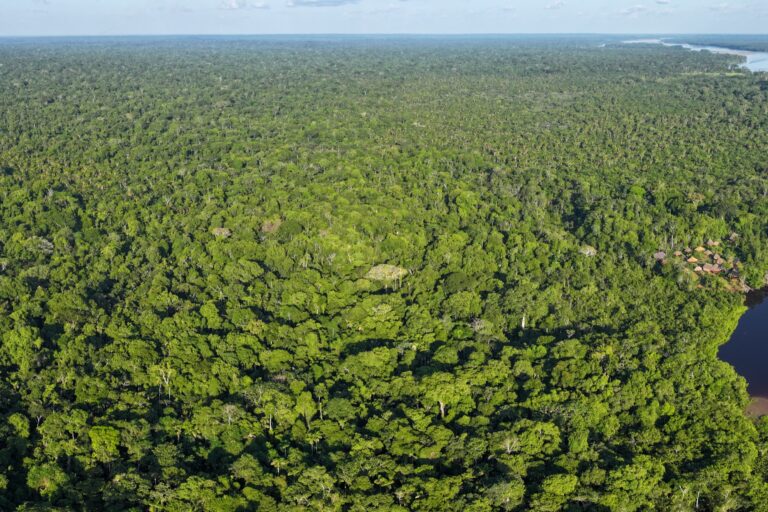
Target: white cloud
[(557, 4), (724, 7), (234, 5), (320, 3), (391, 7), (40, 6), (634, 10)]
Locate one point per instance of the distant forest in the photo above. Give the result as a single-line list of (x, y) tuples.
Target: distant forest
[(385, 274), (754, 43)]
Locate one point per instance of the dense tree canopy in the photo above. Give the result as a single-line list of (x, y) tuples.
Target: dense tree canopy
[(384, 274)]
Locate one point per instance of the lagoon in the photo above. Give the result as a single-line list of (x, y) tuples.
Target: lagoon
[(747, 350)]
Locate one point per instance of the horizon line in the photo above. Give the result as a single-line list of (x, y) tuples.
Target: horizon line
[(379, 34)]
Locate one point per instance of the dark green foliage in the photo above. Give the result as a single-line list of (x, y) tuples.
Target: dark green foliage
[(330, 274)]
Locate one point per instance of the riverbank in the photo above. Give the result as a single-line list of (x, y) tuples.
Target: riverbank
[(755, 61), (758, 407)]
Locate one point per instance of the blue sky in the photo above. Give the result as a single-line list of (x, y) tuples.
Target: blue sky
[(114, 17)]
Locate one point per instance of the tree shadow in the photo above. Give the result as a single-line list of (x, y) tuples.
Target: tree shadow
[(364, 346)]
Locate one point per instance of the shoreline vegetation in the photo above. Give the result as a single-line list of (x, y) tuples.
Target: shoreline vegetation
[(420, 274)]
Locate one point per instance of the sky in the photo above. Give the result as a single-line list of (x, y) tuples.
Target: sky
[(125, 17)]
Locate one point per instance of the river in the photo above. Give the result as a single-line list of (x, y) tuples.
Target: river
[(755, 61), (747, 350)]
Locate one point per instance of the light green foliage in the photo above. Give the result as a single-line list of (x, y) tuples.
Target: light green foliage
[(507, 495), (305, 407), (20, 347), (46, 479), (104, 442)]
